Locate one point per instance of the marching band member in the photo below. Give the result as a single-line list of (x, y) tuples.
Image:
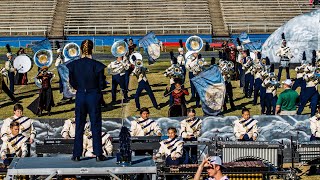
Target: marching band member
[(21, 78), (285, 55), (310, 93), (191, 127), (271, 85), (245, 128), (194, 69), (117, 69), (144, 126), (131, 46), (174, 72), (45, 95), (178, 108), (11, 71), (143, 83), (181, 60), (226, 72), (257, 70), (88, 144), (315, 127), (240, 63), (171, 148), (25, 124), (299, 82), (14, 144), (69, 128), (58, 62), (4, 87), (190, 131), (248, 76), (263, 91)]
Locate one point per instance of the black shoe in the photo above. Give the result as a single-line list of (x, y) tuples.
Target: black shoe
[(158, 107), (138, 109), (75, 158), (101, 158), (49, 113)]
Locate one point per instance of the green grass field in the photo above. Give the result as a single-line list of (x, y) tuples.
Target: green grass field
[(26, 94)]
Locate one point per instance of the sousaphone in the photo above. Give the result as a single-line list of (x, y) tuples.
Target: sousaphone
[(71, 51)]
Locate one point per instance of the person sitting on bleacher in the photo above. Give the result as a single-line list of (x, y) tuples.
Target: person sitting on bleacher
[(87, 144), (144, 126), (14, 144), (245, 128)]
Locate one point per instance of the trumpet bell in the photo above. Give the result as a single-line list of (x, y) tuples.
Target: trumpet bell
[(71, 51), (230, 65), (119, 48), (194, 43), (43, 57)]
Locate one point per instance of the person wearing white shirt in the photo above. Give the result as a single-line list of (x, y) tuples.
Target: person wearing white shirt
[(245, 128), (214, 167), (315, 127)]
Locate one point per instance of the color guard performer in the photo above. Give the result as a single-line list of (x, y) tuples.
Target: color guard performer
[(14, 144), (245, 128), (171, 148), (25, 124), (117, 70), (190, 131), (179, 107), (144, 126), (143, 84), (315, 127), (45, 93)]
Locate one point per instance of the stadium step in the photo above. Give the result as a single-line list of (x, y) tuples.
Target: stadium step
[(218, 26), (59, 18)]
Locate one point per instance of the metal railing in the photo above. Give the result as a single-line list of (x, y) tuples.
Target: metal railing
[(24, 29), (253, 27), (128, 29)]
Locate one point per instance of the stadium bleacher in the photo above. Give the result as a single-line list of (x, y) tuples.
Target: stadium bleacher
[(138, 17), (26, 17), (260, 16)]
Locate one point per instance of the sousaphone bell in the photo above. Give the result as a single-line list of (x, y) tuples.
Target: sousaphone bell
[(43, 57), (119, 48), (71, 51), (194, 43)]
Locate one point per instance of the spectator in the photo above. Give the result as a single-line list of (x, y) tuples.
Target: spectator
[(287, 100)]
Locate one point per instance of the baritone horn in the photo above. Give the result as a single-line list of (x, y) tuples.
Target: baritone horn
[(119, 48), (43, 57), (136, 59), (194, 43), (71, 51)]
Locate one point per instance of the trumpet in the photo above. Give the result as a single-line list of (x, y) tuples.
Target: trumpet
[(138, 63)]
